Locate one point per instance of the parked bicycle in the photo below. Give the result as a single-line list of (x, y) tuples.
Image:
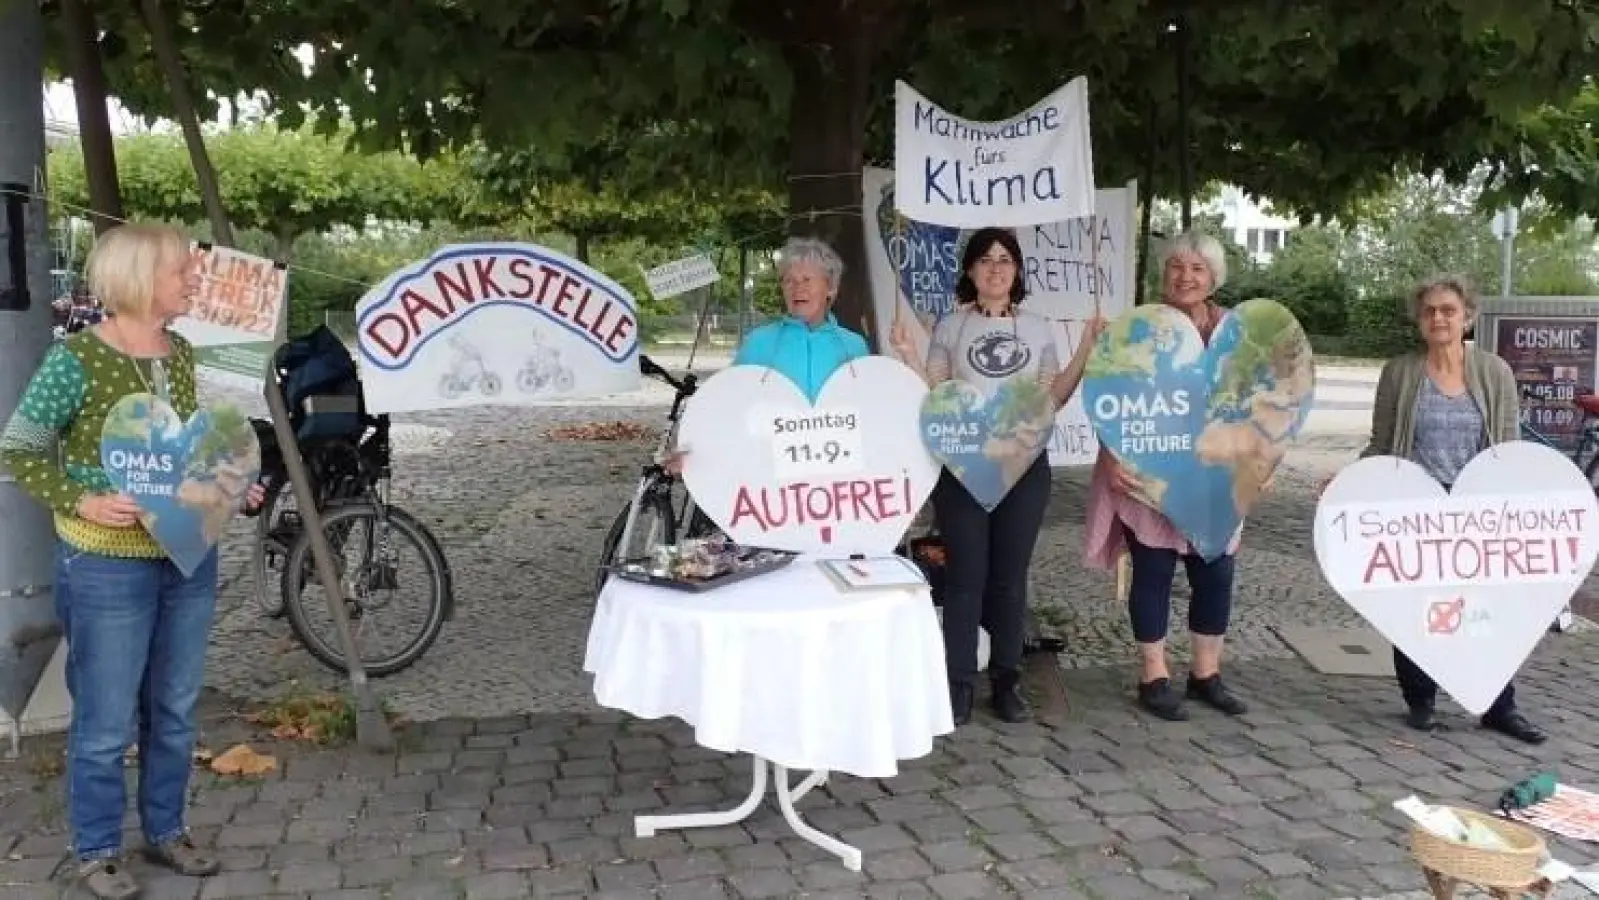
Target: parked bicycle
[(349, 462), (1585, 455), (660, 506), (1586, 452)]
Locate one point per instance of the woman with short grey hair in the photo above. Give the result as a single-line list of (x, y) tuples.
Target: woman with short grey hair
[(808, 251), (1194, 265), (1439, 407), (808, 345)]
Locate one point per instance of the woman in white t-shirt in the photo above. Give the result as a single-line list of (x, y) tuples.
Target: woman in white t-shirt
[(988, 341)]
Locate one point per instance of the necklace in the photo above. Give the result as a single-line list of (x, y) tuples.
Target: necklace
[(157, 383)]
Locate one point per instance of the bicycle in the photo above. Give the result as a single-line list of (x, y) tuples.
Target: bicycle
[(1587, 448), (657, 510), (1587, 441), (351, 476)]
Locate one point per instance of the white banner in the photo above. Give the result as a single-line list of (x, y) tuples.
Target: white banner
[(915, 266), (682, 276), (480, 324), (1032, 168)]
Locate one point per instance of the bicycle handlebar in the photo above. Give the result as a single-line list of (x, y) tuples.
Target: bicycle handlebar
[(653, 369)]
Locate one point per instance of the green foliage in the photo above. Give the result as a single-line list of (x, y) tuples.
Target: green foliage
[(1305, 277), (1309, 103), (283, 183)]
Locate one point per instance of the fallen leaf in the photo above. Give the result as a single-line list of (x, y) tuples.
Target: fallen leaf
[(602, 431), (203, 756), (286, 732), (242, 761)]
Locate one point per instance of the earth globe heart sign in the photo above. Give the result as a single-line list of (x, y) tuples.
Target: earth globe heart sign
[(188, 478), (1464, 582), (988, 442), (1202, 428), (845, 473)]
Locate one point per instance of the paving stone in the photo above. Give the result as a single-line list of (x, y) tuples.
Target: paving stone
[(964, 886), (763, 883), (308, 877)]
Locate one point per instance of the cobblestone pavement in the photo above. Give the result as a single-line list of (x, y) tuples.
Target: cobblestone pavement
[(1289, 802), (510, 783)]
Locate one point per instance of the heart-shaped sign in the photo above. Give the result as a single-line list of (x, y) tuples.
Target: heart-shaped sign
[(1465, 583), (987, 442), (1202, 428), (188, 478), (846, 474)]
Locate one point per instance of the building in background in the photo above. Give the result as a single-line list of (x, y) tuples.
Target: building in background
[(1251, 226)]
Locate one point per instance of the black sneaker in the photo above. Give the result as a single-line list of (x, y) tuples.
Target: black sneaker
[(960, 702), (1007, 700), (1514, 724), (1420, 716), (1211, 692), (1159, 699)]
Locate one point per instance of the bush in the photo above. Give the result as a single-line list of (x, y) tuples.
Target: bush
[(1380, 326)]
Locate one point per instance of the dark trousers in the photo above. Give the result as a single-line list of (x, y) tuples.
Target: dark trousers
[(986, 570), (1419, 689), (1149, 595)]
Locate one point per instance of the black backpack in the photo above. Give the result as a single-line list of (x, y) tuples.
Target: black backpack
[(321, 387)]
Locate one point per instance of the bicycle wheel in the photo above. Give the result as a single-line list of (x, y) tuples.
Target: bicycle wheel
[(371, 584), (656, 525), (275, 528)]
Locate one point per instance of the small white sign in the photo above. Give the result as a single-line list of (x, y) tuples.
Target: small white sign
[(1465, 583), (846, 474), (682, 276)]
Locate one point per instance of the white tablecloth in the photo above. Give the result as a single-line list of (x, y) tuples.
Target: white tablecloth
[(784, 666)]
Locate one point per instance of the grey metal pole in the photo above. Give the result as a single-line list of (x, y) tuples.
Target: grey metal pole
[(29, 634), (371, 725), (1508, 253)]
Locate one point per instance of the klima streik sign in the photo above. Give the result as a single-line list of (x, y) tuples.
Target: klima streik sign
[(495, 323)]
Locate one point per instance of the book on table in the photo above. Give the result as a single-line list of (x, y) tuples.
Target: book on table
[(873, 573)]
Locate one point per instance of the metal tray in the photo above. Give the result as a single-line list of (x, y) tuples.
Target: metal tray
[(701, 585)]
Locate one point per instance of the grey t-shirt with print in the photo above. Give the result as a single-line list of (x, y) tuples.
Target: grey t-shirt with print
[(987, 352)]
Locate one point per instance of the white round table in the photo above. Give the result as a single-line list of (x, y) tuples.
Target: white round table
[(785, 667)]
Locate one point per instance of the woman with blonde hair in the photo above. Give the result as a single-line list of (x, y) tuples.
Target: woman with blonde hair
[(136, 627)]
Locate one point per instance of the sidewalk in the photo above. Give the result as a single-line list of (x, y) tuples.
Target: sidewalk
[(1289, 802), (513, 784)]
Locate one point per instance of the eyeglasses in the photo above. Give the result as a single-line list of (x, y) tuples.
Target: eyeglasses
[(996, 262)]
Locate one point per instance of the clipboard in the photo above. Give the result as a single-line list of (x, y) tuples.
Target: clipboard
[(879, 573)]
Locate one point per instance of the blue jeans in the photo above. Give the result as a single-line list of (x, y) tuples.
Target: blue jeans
[(136, 632)]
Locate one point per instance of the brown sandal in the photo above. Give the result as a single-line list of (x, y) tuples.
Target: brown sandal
[(181, 856), (106, 879)]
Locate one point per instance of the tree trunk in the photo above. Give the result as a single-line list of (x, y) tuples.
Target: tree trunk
[(166, 52), (285, 237), (582, 250), (94, 119), (827, 127)]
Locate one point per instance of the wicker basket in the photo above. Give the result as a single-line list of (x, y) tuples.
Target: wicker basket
[(1513, 868)]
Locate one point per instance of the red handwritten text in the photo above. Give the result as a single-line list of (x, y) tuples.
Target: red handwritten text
[(823, 503), (438, 296), (1443, 560)]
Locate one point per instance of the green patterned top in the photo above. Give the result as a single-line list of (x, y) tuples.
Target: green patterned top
[(52, 443)]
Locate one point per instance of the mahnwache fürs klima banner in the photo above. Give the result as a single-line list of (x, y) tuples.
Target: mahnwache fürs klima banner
[(1032, 168)]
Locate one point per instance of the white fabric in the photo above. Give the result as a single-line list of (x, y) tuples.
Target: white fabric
[(784, 666)]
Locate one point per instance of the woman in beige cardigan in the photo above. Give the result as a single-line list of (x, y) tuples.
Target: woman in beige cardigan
[(1438, 407)]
